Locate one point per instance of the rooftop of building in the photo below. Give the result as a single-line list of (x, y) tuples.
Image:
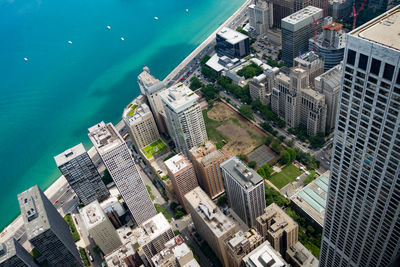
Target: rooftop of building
[(313, 94), (150, 229), (136, 112), (92, 214), (384, 29), (149, 82), (281, 222), (244, 175), (302, 255), (243, 239), (118, 256), (201, 151), (192, 263), (332, 77), (333, 26), (306, 13), (264, 255), (312, 198), (112, 204), (231, 36), (175, 248), (217, 222), (33, 212), (179, 97), (309, 59), (104, 137), (177, 163), (7, 250), (69, 154)]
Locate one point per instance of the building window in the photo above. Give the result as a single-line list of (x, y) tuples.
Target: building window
[(388, 71), (351, 57), (362, 62), (375, 66), (398, 77)]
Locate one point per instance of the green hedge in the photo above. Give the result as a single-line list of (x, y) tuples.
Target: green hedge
[(72, 227), (84, 256)]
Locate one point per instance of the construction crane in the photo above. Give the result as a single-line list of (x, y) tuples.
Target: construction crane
[(355, 13), (315, 23)]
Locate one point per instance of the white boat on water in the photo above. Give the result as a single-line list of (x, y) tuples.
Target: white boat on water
[(70, 42), (122, 39), (187, 10), (109, 27), (25, 58), (155, 18)]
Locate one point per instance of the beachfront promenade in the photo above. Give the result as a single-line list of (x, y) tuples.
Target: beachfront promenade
[(58, 189), (180, 69)]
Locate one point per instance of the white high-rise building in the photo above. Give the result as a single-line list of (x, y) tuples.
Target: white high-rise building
[(81, 174), (362, 218), (260, 16), (119, 162), (184, 117), (244, 189), (100, 227), (151, 87)]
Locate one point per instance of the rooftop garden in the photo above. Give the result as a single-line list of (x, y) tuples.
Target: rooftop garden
[(132, 111), (154, 148)]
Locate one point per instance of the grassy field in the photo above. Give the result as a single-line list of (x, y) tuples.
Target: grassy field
[(211, 127), (230, 132), (154, 148), (287, 175)]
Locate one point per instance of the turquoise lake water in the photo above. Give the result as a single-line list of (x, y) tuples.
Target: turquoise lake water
[(48, 102)]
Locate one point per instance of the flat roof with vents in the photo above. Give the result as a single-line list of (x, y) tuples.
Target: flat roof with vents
[(69, 154), (244, 175), (384, 29), (231, 36)]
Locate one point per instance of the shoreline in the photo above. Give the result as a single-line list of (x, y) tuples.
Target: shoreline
[(8, 231), (205, 43)]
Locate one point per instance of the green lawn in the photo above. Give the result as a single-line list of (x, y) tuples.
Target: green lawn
[(72, 227), (287, 175), (132, 111), (211, 127), (154, 148)]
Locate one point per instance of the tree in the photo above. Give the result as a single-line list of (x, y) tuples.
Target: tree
[(276, 147), (222, 200), (264, 171), (204, 60), (243, 157), (209, 73), (106, 177), (292, 153), (268, 140), (195, 83), (285, 159), (209, 91), (317, 140), (97, 250), (310, 229), (290, 143), (246, 111), (252, 164), (250, 71)]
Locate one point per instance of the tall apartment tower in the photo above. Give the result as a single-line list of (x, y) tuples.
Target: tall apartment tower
[(119, 162), (100, 227), (244, 189), (296, 31), (12, 254), (184, 118), (140, 122), (81, 174), (46, 230), (362, 218), (313, 63), (151, 87), (212, 225), (182, 175), (206, 160), (260, 16)]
